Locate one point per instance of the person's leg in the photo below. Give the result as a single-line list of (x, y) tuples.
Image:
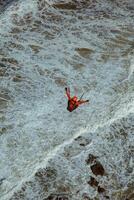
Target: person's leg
[(83, 101), (68, 92), (75, 91)]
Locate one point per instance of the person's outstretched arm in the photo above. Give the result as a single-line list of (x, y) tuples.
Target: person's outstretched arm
[(68, 93), (83, 101)]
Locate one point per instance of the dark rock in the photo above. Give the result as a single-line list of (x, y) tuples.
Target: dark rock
[(84, 52), (100, 189), (98, 169), (82, 144), (93, 182), (65, 6)]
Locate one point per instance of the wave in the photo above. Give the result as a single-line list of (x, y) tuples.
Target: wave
[(46, 46), (110, 143)]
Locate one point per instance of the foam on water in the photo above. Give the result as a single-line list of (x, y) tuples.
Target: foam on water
[(46, 46)]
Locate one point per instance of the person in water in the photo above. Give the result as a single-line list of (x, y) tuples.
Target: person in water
[(73, 102)]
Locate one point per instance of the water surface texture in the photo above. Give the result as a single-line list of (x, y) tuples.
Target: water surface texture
[(47, 152)]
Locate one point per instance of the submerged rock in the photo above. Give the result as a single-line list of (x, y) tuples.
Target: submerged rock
[(47, 174), (1, 180), (82, 141), (10, 60), (84, 52), (35, 48), (17, 78)]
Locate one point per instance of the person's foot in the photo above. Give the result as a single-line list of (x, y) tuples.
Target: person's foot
[(67, 89)]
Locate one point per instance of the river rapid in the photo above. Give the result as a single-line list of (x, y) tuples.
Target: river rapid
[(47, 152)]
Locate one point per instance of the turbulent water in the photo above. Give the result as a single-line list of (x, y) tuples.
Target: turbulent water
[(47, 152)]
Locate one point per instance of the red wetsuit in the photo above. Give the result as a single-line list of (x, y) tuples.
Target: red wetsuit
[(73, 102)]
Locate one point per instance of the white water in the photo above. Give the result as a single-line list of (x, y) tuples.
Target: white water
[(35, 125)]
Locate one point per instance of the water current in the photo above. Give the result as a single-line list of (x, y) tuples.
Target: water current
[(47, 152)]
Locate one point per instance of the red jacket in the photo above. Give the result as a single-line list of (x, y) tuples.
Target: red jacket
[(73, 102)]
